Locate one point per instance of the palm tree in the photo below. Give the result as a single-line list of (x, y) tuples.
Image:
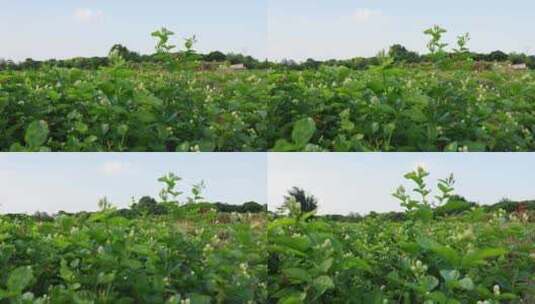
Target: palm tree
[(307, 201)]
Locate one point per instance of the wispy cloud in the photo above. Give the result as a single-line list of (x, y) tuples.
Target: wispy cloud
[(86, 15), (115, 167), (362, 15)]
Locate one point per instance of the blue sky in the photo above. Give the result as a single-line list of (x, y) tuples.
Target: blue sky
[(344, 28), (76, 181), (277, 29), (343, 182), (61, 28), (363, 182)]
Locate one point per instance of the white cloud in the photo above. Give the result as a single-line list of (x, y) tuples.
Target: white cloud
[(87, 15), (115, 167), (362, 15)]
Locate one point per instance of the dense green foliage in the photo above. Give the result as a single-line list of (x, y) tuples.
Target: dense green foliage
[(456, 260), (127, 110), (166, 251), (105, 258), (386, 108), (476, 256), (185, 101)]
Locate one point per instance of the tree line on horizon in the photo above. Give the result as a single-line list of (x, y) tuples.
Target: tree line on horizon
[(298, 201), (398, 52), (149, 206)]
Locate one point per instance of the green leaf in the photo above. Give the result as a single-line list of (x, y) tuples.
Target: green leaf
[(322, 284), (356, 263), (448, 254), (438, 297), (417, 115), (104, 278), (81, 127), (200, 299), (466, 284), (294, 298), (303, 131), (66, 273), (3, 103), (283, 145), (450, 275), (16, 147), (452, 147), (36, 134), (325, 265), (476, 146), (207, 145), (19, 279), (299, 243), (507, 296), (297, 275), (429, 282), (148, 99), (4, 294), (122, 129), (479, 256)]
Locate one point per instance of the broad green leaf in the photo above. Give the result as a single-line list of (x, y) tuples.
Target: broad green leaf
[(479, 256), (294, 298), (300, 243), (357, 263), (430, 282), (450, 275), (297, 275), (81, 127), (105, 278), (200, 299), (448, 254), (283, 145), (207, 145), (122, 129), (3, 103), (325, 265), (438, 296), (148, 99), (4, 294), (19, 279), (452, 147), (66, 273), (476, 146), (303, 131), (36, 134), (16, 147), (322, 284), (466, 284)]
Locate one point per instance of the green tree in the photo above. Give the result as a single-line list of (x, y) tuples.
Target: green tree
[(124, 52), (148, 205), (216, 56), (400, 54), (497, 56), (306, 201)]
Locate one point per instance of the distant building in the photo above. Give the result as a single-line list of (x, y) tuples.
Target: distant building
[(238, 67), (521, 66)]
